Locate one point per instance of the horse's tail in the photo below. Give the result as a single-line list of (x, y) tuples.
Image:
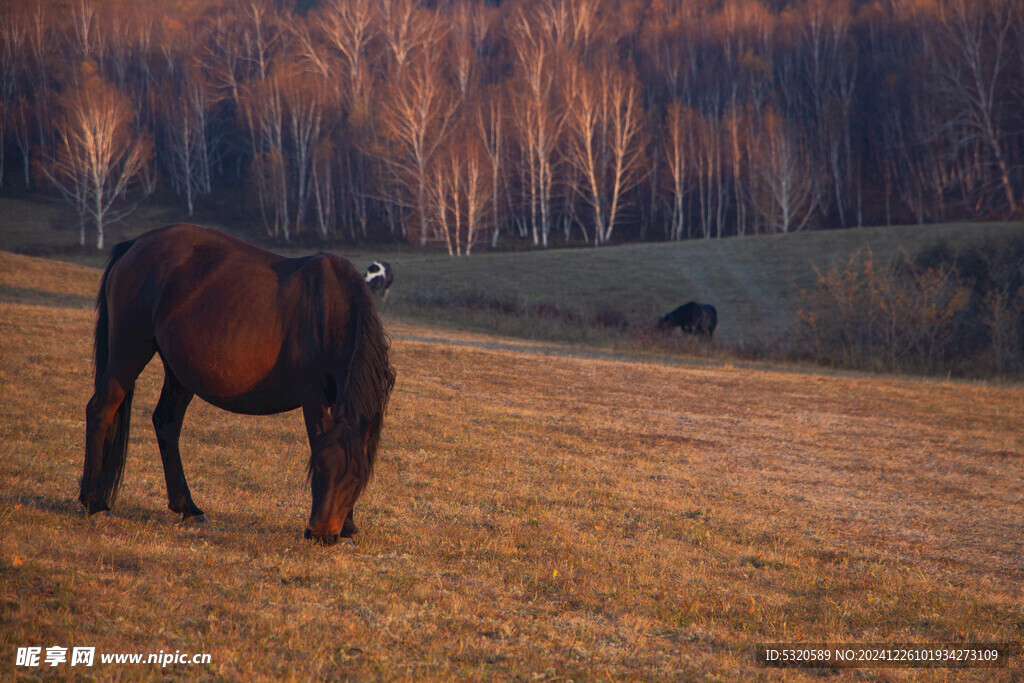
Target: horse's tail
[(115, 448), (363, 395)]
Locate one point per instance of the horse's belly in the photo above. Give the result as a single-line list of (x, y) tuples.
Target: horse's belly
[(254, 404), (239, 380)]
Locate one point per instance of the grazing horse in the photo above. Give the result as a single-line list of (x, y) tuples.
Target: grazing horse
[(692, 318), (379, 277), (250, 332)]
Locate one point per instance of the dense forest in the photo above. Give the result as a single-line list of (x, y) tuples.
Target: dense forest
[(541, 122)]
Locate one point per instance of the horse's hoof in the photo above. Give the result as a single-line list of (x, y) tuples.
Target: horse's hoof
[(99, 517), (195, 519), (93, 509)]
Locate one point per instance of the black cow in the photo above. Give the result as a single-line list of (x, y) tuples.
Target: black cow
[(692, 318), (379, 277)]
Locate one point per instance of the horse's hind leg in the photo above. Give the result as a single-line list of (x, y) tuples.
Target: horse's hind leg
[(107, 418), (167, 420), (104, 416)]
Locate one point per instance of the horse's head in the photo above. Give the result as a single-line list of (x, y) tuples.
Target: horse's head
[(338, 472), (359, 381)]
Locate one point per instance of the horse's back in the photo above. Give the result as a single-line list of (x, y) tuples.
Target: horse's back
[(179, 272), (196, 251)]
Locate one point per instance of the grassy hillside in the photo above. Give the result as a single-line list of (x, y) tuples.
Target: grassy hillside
[(50, 229), (531, 517), (751, 280)]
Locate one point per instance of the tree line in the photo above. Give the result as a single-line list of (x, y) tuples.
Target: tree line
[(464, 123)]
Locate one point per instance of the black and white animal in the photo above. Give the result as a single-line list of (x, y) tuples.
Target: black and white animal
[(692, 318), (379, 277)]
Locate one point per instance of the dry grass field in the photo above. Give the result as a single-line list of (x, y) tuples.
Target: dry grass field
[(534, 516)]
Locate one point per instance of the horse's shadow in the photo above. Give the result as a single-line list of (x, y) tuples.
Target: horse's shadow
[(69, 506), (38, 297), (41, 503)]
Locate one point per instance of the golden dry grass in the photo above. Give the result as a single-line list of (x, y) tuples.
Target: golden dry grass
[(533, 515)]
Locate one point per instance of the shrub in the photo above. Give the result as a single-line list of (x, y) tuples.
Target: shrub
[(545, 310), (941, 312), (474, 300)]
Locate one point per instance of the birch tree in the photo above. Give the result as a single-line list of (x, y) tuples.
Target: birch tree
[(677, 154), (97, 155), (184, 108), (789, 189), (416, 119), (491, 122), (604, 123), (539, 119), (972, 59), (262, 105)]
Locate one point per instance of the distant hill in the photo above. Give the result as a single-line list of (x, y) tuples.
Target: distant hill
[(751, 280)]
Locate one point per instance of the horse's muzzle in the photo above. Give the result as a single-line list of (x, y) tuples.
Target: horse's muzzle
[(330, 539)]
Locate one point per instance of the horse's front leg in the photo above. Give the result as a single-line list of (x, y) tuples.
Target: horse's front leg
[(349, 528), (330, 517)]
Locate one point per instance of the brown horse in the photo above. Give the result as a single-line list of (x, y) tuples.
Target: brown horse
[(250, 332)]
